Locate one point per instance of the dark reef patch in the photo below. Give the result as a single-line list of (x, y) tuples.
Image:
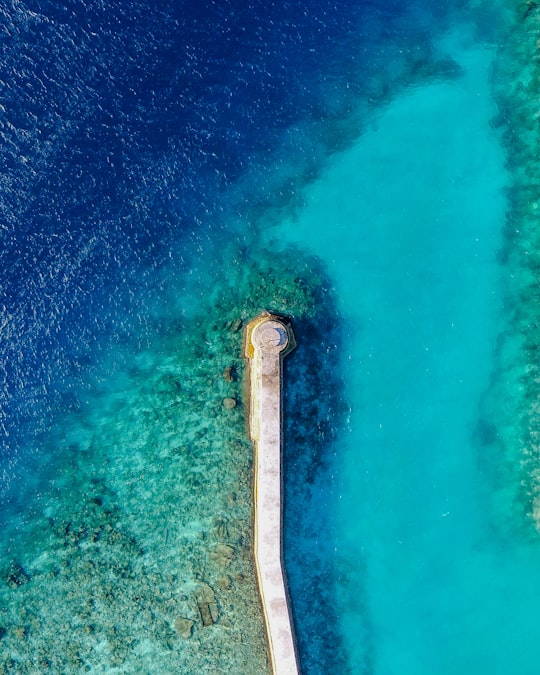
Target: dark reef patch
[(511, 409), (153, 500), (315, 410)]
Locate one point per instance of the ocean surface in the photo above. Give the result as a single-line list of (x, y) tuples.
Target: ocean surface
[(169, 170)]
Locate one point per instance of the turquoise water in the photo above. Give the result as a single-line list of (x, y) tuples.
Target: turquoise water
[(410, 221), (346, 165)]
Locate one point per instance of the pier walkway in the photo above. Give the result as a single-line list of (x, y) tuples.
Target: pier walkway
[(268, 339)]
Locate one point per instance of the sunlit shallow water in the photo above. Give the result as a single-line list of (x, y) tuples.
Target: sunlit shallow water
[(410, 223), (359, 185)]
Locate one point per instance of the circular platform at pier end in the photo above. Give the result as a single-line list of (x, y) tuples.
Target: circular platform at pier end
[(270, 336)]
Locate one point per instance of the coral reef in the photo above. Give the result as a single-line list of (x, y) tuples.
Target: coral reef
[(513, 432), (139, 551)]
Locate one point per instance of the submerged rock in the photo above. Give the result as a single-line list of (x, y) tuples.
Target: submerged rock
[(224, 581), (209, 614), (236, 324), (206, 604), (16, 575), (229, 403), (183, 627), (222, 554)]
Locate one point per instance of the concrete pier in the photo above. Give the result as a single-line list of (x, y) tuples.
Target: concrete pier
[(268, 339)]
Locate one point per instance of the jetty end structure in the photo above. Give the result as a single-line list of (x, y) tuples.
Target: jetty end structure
[(268, 338)]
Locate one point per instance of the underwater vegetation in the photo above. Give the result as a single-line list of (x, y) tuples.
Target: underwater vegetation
[(139, 551), (513, 436)]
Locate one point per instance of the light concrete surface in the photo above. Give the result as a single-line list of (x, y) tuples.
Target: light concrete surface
[(268, 339)]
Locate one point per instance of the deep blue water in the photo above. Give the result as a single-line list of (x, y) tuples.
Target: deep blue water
[(122, 125), (149, 148)]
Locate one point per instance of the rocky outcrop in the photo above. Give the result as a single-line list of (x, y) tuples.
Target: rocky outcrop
[(206, 604)]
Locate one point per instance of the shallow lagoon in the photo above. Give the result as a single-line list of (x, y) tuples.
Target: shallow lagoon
[(127, 504), (432, 574)]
